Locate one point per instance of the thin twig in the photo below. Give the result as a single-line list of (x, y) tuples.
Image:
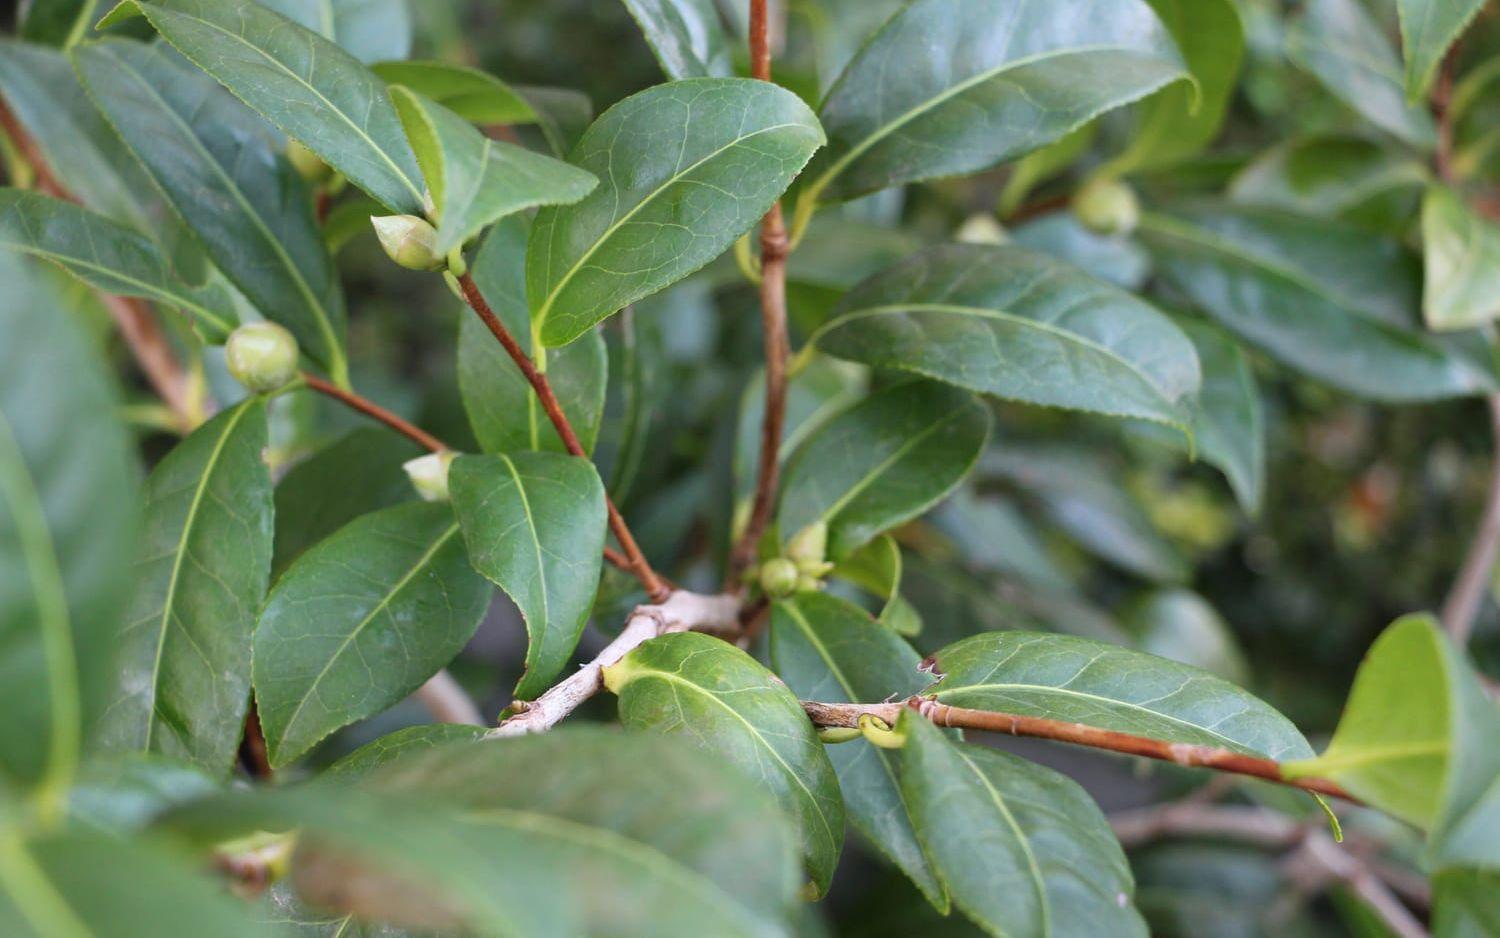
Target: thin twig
[(1321, 858), (656, 589), (1208, 757), (1262, 827), (447, 701), (371, 409)]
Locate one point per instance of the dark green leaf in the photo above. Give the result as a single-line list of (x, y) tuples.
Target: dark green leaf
[(124, 794), (686, 168), (57, 22), (1461, 250), (1428, 29), (1181, 625), (697, 686), (403, 744), (1352, 178), (360, 621), (992, 535), (1020, 326), (1120, 261), (535, 525), (183, 678), (369, 30), (687, 37), (468, 92), (562, 116), (1229, 419), (814, 395)]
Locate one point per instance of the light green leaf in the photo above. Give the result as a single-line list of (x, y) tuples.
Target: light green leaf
[(699, 687), (474, 180), (1078, 680), (1341, 45), (1024, 850), (369, 30), (1355, 179), (183, 673), (360, 621), (472, 94), (1229, 418), (107, 255), (954, 86), (876, 569), (67, 529), (1018, 325), (1461, 250), (882, 462), (1464, 902), (687, 167), (1335, 302), (218, 166), (1419, 737), (1428, 29), (829, 650), (503, 408), (301, 82), (535, 525), (687, 37)]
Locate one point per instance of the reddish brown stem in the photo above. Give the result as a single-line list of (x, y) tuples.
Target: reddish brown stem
[(371, 409), (636, 562), (253, 746), (1207, 757)]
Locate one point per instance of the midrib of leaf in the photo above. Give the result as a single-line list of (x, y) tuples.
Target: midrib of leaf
[(187, 530), (325, 325), (380, 607), (18, 489), (1036, 874), (536, 545), (80, 24), (33, 893), (546, 307), (884, 465), (358, 130)]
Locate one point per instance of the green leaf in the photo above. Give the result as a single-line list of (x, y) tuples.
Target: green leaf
[(1339, 43), (183, 672), (992, 535), (67, 529), (1024, 850), (829, 650), (82, 883), (535, 525), (1463, 902), (1120, 261), (306, 85), (1069, 340), (1335, 302), (1428, 29), (218, 166), (1229, 419), (472, 94), (876, 569), (125, 794), (697, 686), (57, 23), (955, 86), (814, 395), (361, 621), (1181, 625), (882, 462), (1079, 680), (1361, 181), (686, 36), (562, 116), (1419, 737), (503, 408), (369, 30), (107, 255), (687, 167), (474, 180), (1461, 250), (402, 744)]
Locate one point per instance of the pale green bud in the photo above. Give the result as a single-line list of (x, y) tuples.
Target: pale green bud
[(309, 165), (1107, 206), (408, 240), (983, 228), (429, 475), (778, 577), (262, 356), (809, 545)]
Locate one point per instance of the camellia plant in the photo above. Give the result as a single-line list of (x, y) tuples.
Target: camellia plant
[(818, 436)]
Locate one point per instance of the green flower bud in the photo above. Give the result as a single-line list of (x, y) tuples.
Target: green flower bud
[(808, 584), (429, 475), (779, 577), (809, 544), (983, 228), (262, 356), (1107, 206), (408, 240), (308, 164)]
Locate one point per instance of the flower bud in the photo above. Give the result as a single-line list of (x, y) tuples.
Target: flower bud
[(778, 577), (1107, 206), (408, 240), (308, 164), (262, 356), (983, 228), (429, 475), (809, 545)]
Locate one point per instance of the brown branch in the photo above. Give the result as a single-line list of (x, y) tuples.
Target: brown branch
[(1185, 754), (656, 588), (253, 746), (371, 409)]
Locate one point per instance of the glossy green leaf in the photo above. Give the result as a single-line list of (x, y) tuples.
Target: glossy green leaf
[(1228, 416), (1428, 29), (992, 535), (217, 164), (369, 30), (107, 255), (814, 395), (474, 180), (562, 116), (360, 621), (1120, 261), (1340, 44), (705, 689), (632, 391), (301, 82), (687, 37), (503, 408), (125, 794), (882, 462), (472, 94), (183, 672), (1020, 326), (955, 86), (1352, 178), (1461, 251), (685, 168), (402, 744), (535, 525), (1077, 680), (829, 650), (67, 529), (1335, 302), (876, 569), (1419, 737), (1181, 625), (1024, 850)]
